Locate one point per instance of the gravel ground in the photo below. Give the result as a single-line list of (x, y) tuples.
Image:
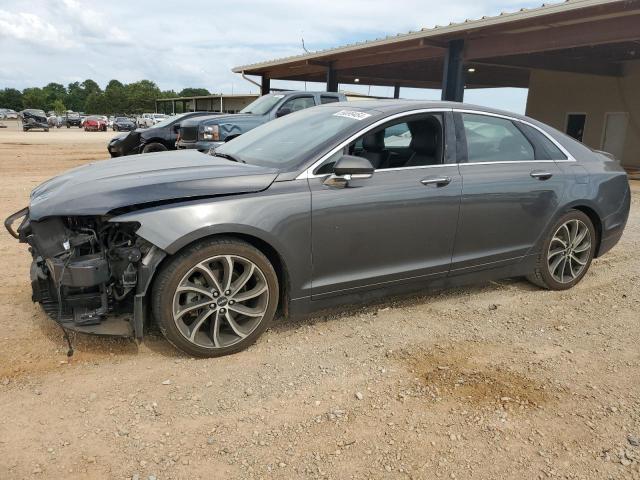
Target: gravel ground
[(498, 381)]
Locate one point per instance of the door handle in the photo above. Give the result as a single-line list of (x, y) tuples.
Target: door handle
[(541, 175), (438, 181)]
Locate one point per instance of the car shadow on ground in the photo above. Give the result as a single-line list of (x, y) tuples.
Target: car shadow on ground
[(400, 301), (96, 346)]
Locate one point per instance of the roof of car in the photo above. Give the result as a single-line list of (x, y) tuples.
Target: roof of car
[(397, 106), (294, 92)]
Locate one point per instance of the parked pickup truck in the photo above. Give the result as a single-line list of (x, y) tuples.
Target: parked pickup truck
[(204, 133)]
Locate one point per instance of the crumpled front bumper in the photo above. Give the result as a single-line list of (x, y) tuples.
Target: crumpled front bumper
[(11, 219)]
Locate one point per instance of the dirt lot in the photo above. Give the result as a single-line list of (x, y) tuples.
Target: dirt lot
[(499, 381)]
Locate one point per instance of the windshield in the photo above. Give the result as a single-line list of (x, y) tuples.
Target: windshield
[(34, 111), (263, 104), (287, 142), (122, 119)]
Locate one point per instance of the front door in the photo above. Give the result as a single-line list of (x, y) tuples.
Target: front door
[(399, 225)]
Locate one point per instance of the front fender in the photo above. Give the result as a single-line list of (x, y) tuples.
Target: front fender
[(279, 216)]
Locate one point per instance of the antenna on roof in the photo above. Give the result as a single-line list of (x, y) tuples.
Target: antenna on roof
[(303, 45)]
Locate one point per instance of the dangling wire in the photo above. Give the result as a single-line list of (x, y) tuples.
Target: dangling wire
[(59, 321)]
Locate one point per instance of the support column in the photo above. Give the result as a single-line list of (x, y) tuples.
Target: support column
[(396, 91), (332, 79), (453, 73), (265, 85), (173, 107)]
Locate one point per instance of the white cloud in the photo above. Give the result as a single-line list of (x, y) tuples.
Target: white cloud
[(196, 43), (32, 29)]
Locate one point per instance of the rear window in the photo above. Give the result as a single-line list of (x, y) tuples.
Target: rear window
[(328, 99)]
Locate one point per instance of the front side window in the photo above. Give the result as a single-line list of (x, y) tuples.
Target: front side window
[(493, 139), (300, 103), (415, 141)]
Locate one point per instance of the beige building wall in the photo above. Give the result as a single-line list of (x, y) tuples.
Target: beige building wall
[(554, 94)]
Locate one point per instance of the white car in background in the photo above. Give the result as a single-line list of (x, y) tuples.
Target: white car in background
[(147, 120), (8, 113)]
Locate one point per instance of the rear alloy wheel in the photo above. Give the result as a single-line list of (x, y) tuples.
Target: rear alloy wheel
[(215, 298), (567, 253), (154, 147)]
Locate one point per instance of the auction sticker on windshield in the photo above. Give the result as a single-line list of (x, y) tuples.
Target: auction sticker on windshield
[(352, 114)]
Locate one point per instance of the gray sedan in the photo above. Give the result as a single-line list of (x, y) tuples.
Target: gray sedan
[(335, 204)]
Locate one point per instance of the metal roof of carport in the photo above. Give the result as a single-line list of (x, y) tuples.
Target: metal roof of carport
[(503, 48)]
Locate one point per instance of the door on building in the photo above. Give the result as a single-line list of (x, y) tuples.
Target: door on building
[(615, 133), (575, 125)]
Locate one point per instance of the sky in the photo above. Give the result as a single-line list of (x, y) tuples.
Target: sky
[(196, 43)]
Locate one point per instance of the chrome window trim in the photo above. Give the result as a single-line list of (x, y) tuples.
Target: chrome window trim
[(308, 173), (569, 158)]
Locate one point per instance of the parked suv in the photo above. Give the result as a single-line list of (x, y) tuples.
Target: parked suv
[(158, 138), (212, 132), (72, 119)]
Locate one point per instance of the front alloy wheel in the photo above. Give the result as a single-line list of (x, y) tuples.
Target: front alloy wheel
[(216, 297)]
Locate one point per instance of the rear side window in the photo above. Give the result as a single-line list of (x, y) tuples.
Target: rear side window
[(545, 149), (493, 139), (328, 99)]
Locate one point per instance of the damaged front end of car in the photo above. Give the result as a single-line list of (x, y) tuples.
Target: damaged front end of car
[(88, 273)]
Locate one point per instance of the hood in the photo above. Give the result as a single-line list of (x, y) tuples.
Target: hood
[(236, 124), (98, 188)]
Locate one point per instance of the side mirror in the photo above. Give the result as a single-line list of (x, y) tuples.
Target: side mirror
[(347, 168), (283, 111)]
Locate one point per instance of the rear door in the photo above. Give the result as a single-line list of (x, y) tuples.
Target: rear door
[(511, 190)]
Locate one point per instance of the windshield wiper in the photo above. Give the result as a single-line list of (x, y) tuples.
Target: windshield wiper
[(228, 157)]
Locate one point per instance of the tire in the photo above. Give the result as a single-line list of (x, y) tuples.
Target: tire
[(68, 126), (183, 271), (46, 129), (573, 259), (154, 147)]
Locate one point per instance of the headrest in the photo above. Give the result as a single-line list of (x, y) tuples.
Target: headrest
[(425, 136), (373, 142)]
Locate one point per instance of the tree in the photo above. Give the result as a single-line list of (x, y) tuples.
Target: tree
[(75, 97), (141, 96), (194, 92), (11, 98), (114, 97), (89, 87), (58, 107), (54, 92), (96, 103), (34, 98)]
